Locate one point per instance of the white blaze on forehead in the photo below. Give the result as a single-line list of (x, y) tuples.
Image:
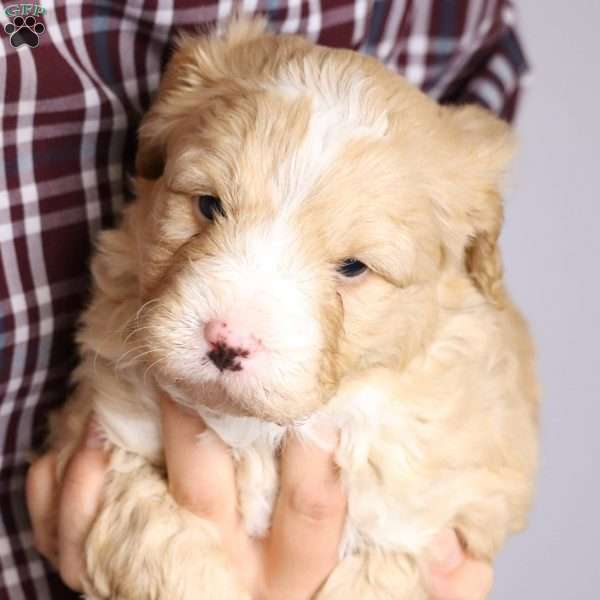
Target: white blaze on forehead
[(339, 114)]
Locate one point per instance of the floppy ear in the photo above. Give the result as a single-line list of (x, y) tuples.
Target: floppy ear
[(482, 146), (197, 63)]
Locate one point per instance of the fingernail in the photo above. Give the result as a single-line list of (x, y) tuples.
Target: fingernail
[(94, 438), (322, 432), (208, 437), (446, 552), (328, 438)]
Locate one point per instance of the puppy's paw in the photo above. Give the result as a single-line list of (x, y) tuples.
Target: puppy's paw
[(375, 575), (143, 546)]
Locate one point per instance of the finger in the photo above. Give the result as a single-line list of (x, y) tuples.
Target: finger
[(472, 580), (307, 522), (40, 492), (453, 576), (447, 553), (200, 468), (79, 503)]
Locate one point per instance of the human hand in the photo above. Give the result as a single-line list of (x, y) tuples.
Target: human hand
[(302, 547), (307, 522)]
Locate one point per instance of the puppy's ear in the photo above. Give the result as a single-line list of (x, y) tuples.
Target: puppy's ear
[(197, 63), (481, 146)]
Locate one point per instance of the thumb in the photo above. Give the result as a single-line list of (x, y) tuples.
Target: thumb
[(79, 503)]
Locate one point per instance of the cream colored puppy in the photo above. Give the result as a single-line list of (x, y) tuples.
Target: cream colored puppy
[(313, 240)]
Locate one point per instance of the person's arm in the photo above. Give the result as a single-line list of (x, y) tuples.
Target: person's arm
[(307, 522), (467, 52)]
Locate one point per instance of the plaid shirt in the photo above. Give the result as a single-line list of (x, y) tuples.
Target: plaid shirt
[(69, 110)]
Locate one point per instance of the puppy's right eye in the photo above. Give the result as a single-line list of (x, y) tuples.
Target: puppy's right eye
[(350, 267), (209, 206)]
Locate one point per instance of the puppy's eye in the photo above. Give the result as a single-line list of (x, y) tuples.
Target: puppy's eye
[(209, 206), (350, 267)]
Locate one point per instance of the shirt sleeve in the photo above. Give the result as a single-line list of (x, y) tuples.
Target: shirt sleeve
[(457, 52), (493, 72)]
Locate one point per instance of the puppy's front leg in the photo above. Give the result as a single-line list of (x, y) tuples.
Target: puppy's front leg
[(143, 546)]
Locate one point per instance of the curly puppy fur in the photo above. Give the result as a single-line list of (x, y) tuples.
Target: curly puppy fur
[(318, 155)]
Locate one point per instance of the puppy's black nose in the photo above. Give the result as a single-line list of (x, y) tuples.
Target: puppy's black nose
[(226, 358)]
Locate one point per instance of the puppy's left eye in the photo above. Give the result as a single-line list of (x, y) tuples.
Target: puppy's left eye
[(209, 206), (350, 267)]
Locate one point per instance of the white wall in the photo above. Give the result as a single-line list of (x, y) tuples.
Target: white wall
[(552, 252)]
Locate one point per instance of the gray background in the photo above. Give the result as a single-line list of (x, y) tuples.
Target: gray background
[(551, 246)]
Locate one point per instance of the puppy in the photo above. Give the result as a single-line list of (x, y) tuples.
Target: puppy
[(313, 239)]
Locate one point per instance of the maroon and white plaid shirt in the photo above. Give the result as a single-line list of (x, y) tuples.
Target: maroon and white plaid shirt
[(70, 107)]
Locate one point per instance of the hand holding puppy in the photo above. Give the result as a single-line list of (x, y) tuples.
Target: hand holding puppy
[(291, 563)]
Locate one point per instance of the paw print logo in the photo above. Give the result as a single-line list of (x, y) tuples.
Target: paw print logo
[(24, 31)]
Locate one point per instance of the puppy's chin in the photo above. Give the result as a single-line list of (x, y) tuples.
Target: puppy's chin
[(210, 395), (214, 396)]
